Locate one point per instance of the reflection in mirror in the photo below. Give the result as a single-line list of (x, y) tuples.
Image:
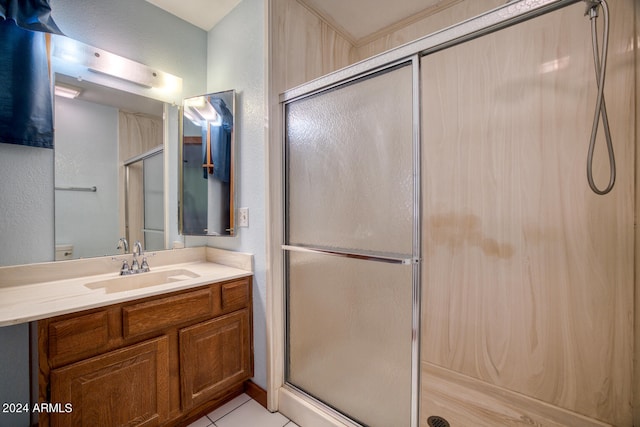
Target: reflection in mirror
[(207, 176), (103, 136), (113, 117), (144, 198)]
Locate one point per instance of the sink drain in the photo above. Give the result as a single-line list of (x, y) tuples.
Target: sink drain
[(435, 421)]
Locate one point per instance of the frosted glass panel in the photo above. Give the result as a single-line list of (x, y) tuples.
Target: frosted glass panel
[(349, 157), (349, 335), (153, 202), (154, 192), (153, 241)]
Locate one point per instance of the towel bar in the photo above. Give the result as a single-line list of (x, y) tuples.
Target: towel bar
[(91, 189)]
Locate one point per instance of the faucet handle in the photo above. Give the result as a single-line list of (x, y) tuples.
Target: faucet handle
[(124, 270), (145, 266)]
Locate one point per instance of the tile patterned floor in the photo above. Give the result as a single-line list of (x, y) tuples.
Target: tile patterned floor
[(243, 412)]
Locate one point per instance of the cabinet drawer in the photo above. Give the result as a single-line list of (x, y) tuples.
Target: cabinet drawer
[(235, 295), (78, 338), (155, 315)]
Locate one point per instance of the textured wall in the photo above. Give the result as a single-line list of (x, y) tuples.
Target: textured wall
[(139, 31), (236, 61)]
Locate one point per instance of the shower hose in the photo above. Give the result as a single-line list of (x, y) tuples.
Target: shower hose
[(601, 109)]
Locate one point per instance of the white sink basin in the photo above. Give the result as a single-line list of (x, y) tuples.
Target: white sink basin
[(142, 280)]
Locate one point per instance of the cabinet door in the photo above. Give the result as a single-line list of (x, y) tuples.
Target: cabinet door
[(215, 355), (126, 387)]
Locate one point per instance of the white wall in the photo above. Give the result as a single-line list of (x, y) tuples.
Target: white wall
[(236, 57)]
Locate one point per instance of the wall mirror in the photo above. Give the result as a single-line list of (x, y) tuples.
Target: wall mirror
[(208, 165), (111, 176)]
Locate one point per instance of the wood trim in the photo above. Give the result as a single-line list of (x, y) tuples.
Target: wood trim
[(256, 392), (636, 367)]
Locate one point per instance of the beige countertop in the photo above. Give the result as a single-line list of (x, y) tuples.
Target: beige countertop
[(38, 291)]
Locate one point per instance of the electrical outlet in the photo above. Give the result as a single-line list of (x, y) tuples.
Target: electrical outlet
[(243, 217)]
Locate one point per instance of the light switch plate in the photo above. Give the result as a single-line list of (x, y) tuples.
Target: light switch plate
[(243, 217)]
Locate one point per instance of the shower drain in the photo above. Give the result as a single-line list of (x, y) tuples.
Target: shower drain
[(435, 421)]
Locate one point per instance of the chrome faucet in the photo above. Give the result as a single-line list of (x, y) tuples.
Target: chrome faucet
[(135, 266), (123, 244)]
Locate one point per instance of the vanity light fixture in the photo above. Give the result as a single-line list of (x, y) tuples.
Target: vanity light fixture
[(64, 91), (189, 114), (200, 108), (84, 62), (100, 61), (122, 68)]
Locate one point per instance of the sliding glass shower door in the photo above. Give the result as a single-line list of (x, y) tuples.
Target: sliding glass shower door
[(154, 202), (144, 199), (350, 246)]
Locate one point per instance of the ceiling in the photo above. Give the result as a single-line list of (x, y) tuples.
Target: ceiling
[(201, 13), (355, 19), (358, 19)]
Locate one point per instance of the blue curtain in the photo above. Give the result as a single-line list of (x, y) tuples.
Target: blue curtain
[(220, 148), (26, 104)]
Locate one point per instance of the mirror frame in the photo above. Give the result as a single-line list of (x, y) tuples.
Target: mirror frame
[(231, 229)]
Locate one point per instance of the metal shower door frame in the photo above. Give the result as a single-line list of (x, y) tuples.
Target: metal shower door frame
[(512, 13), (414, 259), (128, 163)]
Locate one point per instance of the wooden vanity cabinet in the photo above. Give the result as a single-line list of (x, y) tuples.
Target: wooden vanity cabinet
[(163, 360), (214, 355)]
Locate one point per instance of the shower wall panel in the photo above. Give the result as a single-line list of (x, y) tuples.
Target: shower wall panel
[(443, 14), (304, 46), (528, 277)]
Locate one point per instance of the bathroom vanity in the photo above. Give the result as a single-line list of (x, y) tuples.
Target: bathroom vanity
[(158, 348)]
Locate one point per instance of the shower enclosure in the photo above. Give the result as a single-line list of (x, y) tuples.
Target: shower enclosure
[(444, 258), (144, 199), (351, 245)]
